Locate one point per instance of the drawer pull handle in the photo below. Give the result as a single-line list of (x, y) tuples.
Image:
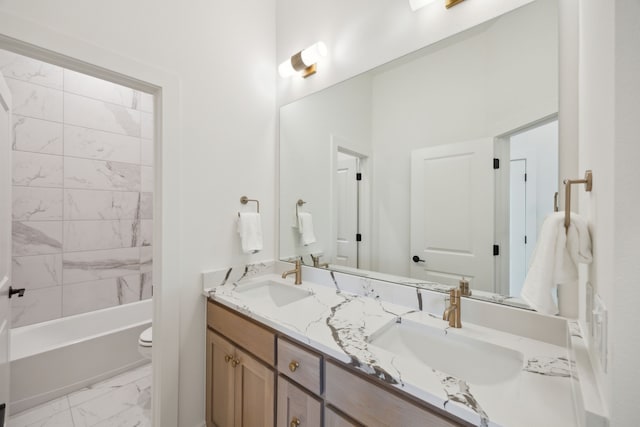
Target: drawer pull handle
[(294, 422), (292, 367), (234, 363), (228, 358)]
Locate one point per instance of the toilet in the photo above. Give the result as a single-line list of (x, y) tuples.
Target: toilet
[(145, 342)]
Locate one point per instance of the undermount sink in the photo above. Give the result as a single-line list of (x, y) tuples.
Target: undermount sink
[(272, 293), (466, 358)]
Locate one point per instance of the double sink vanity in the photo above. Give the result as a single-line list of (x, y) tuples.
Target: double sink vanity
[(339, 350)]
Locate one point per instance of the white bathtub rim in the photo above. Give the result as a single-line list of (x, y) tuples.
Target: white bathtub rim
[(17, 353)]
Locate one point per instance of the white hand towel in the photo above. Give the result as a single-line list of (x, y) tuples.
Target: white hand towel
[(250, 230), (305, 227), (555, 260)]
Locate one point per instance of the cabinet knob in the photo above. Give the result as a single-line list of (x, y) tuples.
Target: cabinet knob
[(294, 422), (228, 358), (234, 363), (293, 366)]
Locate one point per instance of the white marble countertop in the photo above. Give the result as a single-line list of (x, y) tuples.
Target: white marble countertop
[(340, 324)]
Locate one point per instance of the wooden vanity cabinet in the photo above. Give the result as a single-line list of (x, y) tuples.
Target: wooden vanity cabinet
[(372, 405), (240, 386), (244, 359)]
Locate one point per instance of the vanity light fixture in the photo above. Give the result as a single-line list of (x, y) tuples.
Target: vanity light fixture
[(304, 61)]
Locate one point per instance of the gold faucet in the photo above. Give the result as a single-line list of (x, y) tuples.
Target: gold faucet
[(317, 263), (297, 271), (452, 313)]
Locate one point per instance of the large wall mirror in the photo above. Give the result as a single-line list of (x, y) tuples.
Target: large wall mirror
[(438, 166)]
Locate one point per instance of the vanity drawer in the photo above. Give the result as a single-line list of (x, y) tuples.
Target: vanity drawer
[(300, 365), (296, 407), (370, 404), (250, 336)]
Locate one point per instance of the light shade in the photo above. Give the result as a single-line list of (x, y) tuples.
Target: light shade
[(303, 61), (418, 4)]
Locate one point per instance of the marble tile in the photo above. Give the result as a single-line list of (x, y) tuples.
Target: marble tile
[(89, 296), (30, 70), (95, 265), (101, 175), (93, 114), (99, 204), (102, 408), (35, 101), (36, 237), (36, 135), (36, 203), (132, 417), (37, 305), (146, 152), (100, 145), (146, 285), (61, 419), (39, 413), (146, 125), (146, 102), (108, 386), (146, 179), (102, 90), (37, 170), (146, 205), (39, 271), (146, 259), (146, 232), (91, 235)]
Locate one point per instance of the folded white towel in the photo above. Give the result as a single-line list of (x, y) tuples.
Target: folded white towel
[(305, 227), (555, 260), (250, 230)]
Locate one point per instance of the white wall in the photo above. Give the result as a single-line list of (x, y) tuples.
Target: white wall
[(224, 56), (308, 129), (609, 145), (362, 34), (481, 84)]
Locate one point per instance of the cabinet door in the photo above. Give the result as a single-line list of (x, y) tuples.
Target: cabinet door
[(296, 407), (254, 393), (220, 381), (333, 419)]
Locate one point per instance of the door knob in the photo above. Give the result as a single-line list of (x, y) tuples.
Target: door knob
[(13, 291), (417, 259)]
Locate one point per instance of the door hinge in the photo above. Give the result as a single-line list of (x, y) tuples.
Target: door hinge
[(525, 240), (496, 250), (358, 176), (525, 177), (358, 237), (496, 163)]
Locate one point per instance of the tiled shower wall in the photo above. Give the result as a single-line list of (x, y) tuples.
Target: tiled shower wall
[(82, 191)]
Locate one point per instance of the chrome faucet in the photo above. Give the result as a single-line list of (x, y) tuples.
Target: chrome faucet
[(452, 313), (297, 271), (317, 263)]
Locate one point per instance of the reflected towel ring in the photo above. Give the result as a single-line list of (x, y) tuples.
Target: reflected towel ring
[(300, 202)]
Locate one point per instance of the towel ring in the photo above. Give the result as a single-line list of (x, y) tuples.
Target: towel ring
[(244, 200), (588, 185), (300, 202)]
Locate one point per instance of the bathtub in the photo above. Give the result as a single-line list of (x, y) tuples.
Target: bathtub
[(54, 358)]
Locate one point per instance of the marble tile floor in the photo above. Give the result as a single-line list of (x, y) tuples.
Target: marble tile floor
[(120, 401)]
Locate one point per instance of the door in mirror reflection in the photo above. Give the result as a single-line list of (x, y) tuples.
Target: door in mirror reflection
[(532, 184), (452, 203), (347, 205)]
